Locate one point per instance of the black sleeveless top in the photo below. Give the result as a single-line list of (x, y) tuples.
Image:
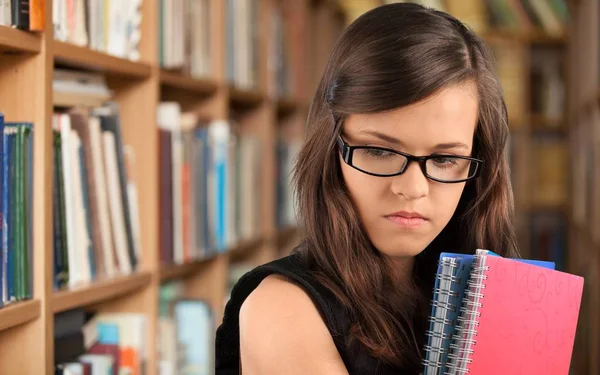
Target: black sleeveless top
[(227, 346)]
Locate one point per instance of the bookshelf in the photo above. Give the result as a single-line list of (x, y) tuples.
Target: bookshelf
[(584, 177), (27, 63)]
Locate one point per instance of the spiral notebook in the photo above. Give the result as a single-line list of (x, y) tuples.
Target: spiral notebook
[(515, 318), (451, 281)]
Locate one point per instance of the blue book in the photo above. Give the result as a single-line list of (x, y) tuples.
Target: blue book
[(10, 133), (2, 268), (453, 272)]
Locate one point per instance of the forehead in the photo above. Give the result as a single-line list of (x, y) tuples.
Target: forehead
[(448, 116)]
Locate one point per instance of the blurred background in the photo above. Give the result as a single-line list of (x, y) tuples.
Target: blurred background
[(146, 155)]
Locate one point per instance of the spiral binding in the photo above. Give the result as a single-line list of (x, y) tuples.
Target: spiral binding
[(442, 303), (465, 336)]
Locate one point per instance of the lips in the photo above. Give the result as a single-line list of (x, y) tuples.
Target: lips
[(408, 219)]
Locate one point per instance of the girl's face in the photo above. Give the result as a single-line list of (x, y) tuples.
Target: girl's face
[(403, 214)]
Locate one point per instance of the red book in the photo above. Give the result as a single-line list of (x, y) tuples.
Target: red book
[(520, 319), (112, 350)]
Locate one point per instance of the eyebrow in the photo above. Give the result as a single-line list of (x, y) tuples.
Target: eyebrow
[(440, 146)]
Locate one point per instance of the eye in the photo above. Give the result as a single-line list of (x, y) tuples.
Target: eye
[(377, 153), (444, 161)]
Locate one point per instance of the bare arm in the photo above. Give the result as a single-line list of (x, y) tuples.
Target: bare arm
[(282, 332)]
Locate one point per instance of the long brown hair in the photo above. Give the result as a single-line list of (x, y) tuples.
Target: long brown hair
[(390, 57)]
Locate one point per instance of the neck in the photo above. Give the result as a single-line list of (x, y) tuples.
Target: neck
[(402, 268)]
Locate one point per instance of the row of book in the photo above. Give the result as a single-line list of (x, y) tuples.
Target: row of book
[(186, 333), (16, 203), (242, 44), (109, 26), (280, 59), (100, 343), (25, 15), (547, 168), (516, 15), (285, 205), (548, 84), (545, 96), (96, 221), (585, 172), (210, 176), (184, 36)]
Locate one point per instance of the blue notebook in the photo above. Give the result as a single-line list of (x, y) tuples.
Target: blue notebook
[(449, 288)]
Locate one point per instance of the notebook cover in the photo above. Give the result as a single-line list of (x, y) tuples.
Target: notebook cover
[(527, 320), (461, 273)]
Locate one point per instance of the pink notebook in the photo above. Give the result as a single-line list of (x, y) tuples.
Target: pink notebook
[(518, 319)]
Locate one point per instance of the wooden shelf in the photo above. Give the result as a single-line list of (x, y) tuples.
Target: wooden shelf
[(242, 249), (284, 235), (172, 80), (286, 106), (245, 98), (19, 313), (14, 40), (181, 271), (81, 57), (523, 36), (544, 123), (99, 291)]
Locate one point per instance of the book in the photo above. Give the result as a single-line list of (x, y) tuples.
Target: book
[(515, 318), (449, 289)]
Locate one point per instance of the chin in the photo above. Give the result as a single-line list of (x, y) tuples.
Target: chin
[(401, 249)]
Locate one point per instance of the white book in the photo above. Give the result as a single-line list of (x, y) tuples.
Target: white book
[(132, 195), (2, 23), (101, 363), (102, 196), (116, 202), (83, 235), (132, 331), (7, 12), (75, 276), (167, 333)]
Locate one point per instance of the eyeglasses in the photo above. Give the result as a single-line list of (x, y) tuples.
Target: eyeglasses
[(385, 162)]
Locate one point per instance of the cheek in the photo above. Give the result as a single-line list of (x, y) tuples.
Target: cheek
[(365, 190), (444, 200)]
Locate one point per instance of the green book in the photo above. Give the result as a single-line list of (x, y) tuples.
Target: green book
[(19, 249)]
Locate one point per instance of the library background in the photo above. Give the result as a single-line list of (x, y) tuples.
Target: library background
[(150, 144)]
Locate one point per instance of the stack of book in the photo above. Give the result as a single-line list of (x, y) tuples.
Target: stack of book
[(210, 189), (186, 333), (16, 202), (108, 26), (96, 221), (493, 315), (104, 343), (25, 15), (184, 36), (242, 22)]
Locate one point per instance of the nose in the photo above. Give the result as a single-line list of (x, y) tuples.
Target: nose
[(412, 184)]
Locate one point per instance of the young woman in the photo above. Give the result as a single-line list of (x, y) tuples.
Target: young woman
[(404, 158)]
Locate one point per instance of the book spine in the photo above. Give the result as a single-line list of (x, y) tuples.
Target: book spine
[(444, 300), (465, 338), (20, 14), (5, 211)]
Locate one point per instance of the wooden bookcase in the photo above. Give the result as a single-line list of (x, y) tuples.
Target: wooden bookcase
[(27, 61)]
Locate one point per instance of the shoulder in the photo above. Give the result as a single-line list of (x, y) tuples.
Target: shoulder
[(283, 331)]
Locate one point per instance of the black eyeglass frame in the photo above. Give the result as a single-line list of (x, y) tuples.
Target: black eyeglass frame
[(347, 151)]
